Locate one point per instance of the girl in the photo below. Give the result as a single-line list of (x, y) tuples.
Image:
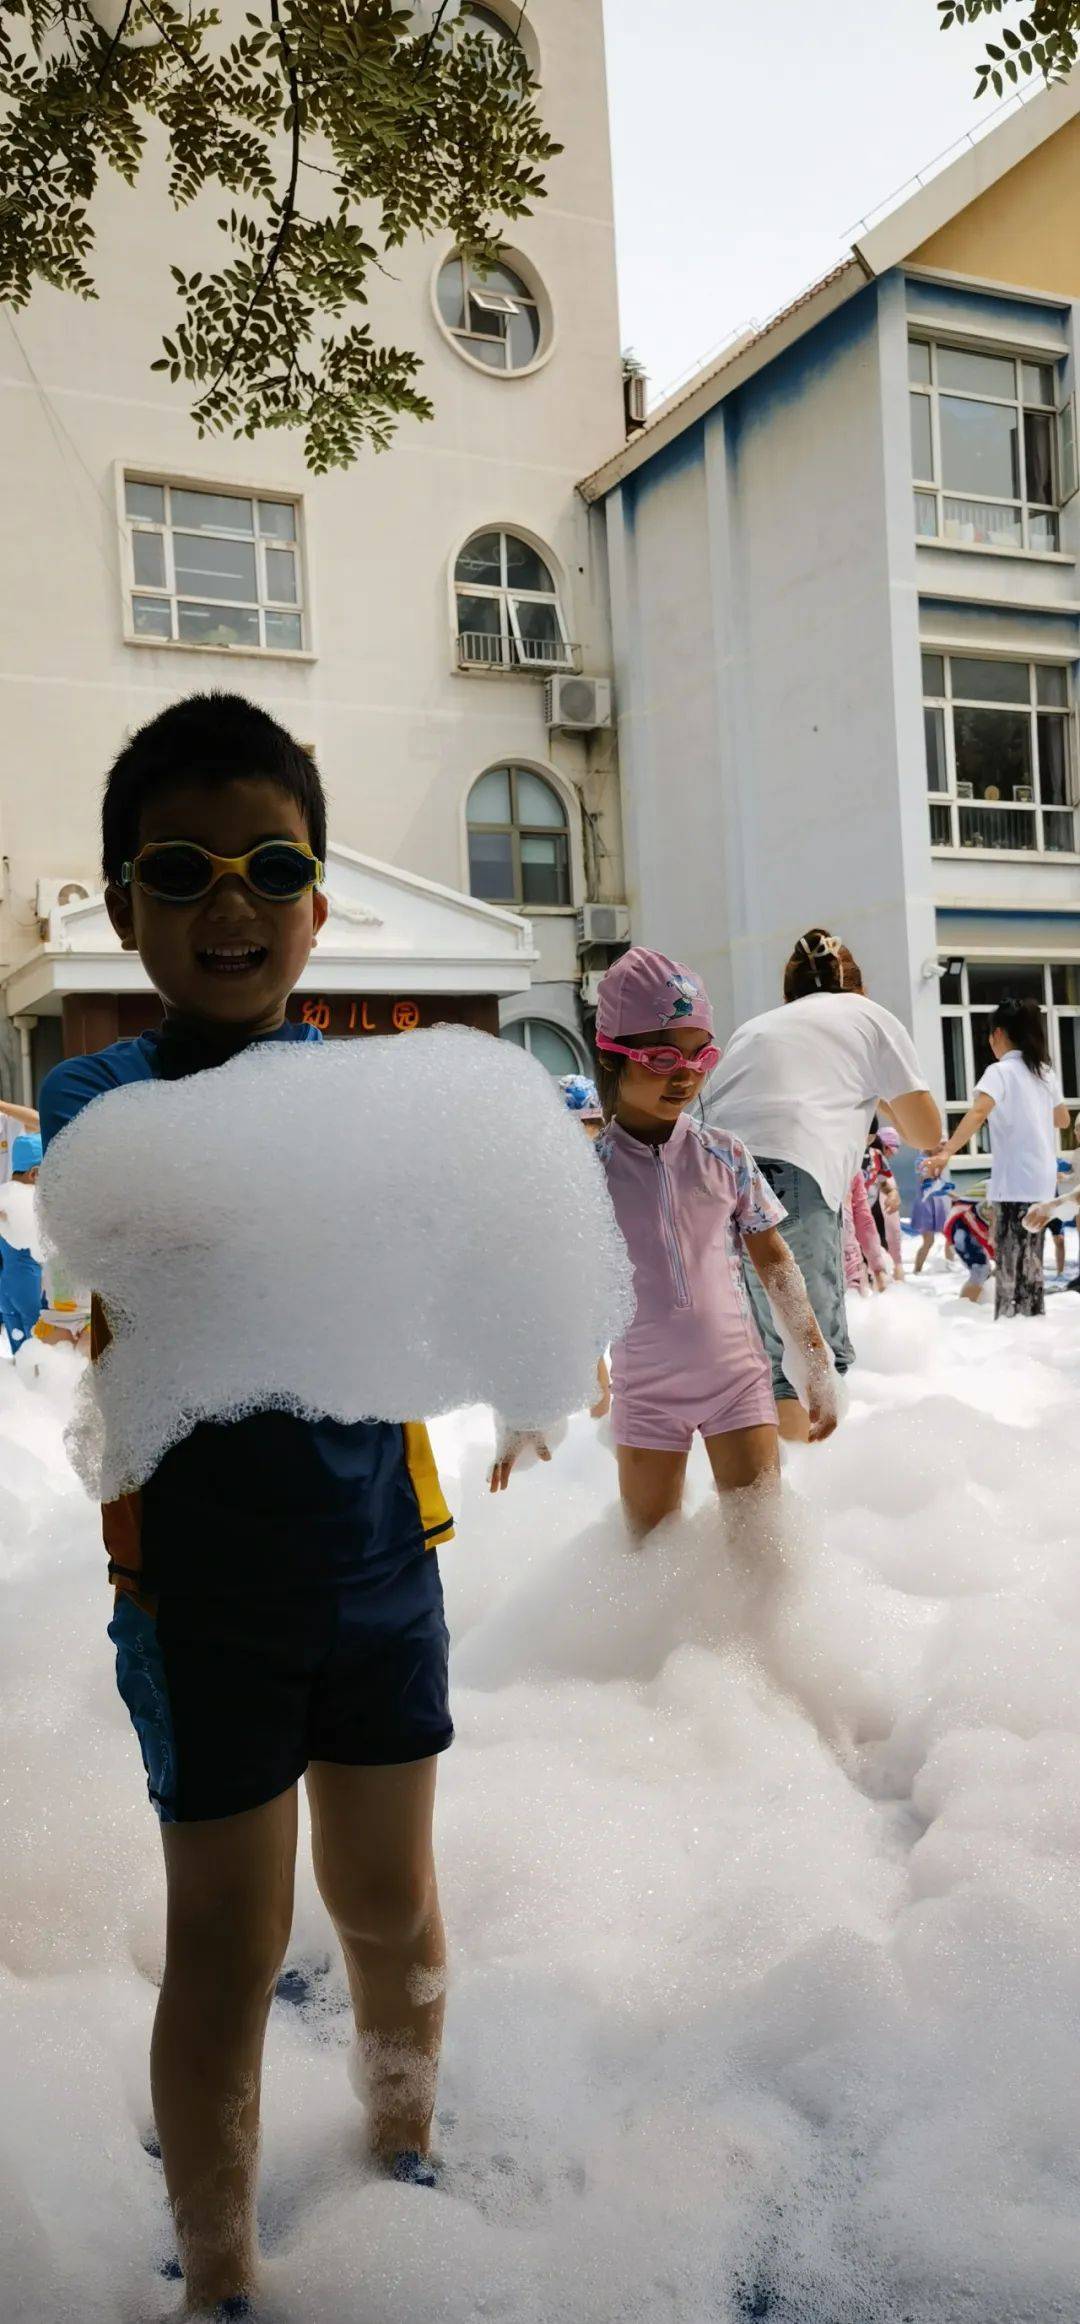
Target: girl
[(801, 1085), (689, 1202), (864, 1256), (929, 1212), (1019, 1097), (884, 1195)]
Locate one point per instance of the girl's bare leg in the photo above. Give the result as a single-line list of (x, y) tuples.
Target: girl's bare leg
[(923, 1253), (372, 1847), (230, 1901), (651, 1484), (744, 1456)]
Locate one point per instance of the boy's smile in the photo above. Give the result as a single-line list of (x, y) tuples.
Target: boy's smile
[(231, 958)]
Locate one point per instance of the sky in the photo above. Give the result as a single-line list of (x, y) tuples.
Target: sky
[(742, 162)]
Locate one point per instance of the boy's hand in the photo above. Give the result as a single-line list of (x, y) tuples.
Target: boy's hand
[(1036, 1220), (512, 1443)]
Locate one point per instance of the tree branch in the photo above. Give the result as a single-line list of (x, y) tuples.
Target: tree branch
[(288, 213)]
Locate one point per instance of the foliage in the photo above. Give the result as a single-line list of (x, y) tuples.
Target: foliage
[(1043, 40), (335, 128)]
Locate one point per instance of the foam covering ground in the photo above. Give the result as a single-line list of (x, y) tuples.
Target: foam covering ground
[(763, 1893), (380, 1229)]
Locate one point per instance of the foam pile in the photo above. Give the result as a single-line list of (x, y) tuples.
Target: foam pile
[(763, 1901), (379, 1230)]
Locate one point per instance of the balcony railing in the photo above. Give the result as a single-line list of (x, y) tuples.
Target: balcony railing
[(1015, 829), (481, 649)]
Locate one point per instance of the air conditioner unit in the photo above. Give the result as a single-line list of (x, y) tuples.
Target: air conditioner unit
[(635, 390), (603, 924), (580, 705), (52, 893)]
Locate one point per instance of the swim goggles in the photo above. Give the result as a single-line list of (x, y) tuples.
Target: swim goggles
[(178, 871), (663, 1061)]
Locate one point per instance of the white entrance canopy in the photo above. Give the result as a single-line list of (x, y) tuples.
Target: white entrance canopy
[(387, 931)]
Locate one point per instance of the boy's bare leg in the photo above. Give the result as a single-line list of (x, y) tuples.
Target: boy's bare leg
[(230, 1901), (372, 1847), (651, 1485)]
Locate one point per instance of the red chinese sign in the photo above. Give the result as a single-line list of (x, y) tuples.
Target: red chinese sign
[(339, 1016)]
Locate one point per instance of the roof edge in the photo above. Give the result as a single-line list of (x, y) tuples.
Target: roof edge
[(986, 160)]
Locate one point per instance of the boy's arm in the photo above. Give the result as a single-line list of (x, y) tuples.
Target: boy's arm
[(26, 1116), (786, 1293)]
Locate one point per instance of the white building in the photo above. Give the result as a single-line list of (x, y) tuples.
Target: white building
[(844, 581), (403, 619)]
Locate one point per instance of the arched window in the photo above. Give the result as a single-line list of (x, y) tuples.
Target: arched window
[(508, 610), (519, 844), (473, 18), (492, 313), (545, 1042)]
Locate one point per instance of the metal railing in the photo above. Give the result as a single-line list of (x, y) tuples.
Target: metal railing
[(481, 649)]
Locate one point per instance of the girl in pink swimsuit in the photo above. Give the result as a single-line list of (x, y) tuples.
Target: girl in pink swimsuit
[(689, 1202)]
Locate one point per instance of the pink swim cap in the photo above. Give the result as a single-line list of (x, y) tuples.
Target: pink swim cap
[(645, 992)]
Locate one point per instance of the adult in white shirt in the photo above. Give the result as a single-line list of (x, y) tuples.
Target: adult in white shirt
[(1019, 1097), (800, 1086)]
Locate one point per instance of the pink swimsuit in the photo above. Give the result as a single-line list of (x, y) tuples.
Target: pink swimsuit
[(692, 1358)]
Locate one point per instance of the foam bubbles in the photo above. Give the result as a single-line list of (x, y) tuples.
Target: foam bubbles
[(376, 1230), (762, 1892)]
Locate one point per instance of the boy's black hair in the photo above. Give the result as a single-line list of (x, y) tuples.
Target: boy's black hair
[(211, 739)]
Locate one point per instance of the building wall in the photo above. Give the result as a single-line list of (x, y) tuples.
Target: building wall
[(399, 733), (756, 659), (1023, 229)]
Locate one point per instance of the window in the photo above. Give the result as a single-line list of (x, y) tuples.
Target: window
[(213, 568), (545, 1042), (519, 845), (999, 754), (991, 453), (491, 315), (968, 1001), (474, 19), (508, 611)]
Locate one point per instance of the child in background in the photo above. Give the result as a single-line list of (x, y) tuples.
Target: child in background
[(580, 1097), (969, 1231), (690, 1202), (865, 1261), (929, 1212), (884, 1195), (20, 1268)]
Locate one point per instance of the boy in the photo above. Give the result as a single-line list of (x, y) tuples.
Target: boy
[(278, 1607), (20, 1271), (969, 1231)]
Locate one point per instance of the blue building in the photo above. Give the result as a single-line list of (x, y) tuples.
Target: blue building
[(843, 576)]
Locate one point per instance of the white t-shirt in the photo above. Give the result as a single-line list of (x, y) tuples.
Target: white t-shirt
[(801, 1083), (1022, 1138)]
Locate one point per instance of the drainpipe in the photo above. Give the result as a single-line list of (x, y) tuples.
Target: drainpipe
[(24, 1026)]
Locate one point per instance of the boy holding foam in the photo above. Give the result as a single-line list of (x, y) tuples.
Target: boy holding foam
[(278, 1606)]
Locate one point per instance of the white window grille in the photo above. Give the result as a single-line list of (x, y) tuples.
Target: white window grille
[(993, 447), (213, 568), (508, 611), (999, 754)]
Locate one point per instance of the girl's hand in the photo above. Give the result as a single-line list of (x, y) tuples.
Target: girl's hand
[(512, 1443), (1036, 1220), (882, 1280)]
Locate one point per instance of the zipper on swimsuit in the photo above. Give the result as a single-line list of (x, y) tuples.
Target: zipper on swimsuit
[(667, 1213)]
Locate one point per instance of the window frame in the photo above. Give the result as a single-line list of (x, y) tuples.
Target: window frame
[(977, 1150), (513, 655), (517, 831), (934, 489), (168, 594), (506, 1033), (460, 337), (950, 801)]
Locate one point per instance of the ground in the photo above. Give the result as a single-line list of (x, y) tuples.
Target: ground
[(764, 1898)]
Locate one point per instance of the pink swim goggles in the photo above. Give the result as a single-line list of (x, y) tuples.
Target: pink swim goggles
[(663, 1061)]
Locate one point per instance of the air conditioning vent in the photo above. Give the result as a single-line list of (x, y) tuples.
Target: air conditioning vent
[(579, 705), (603, 924)]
